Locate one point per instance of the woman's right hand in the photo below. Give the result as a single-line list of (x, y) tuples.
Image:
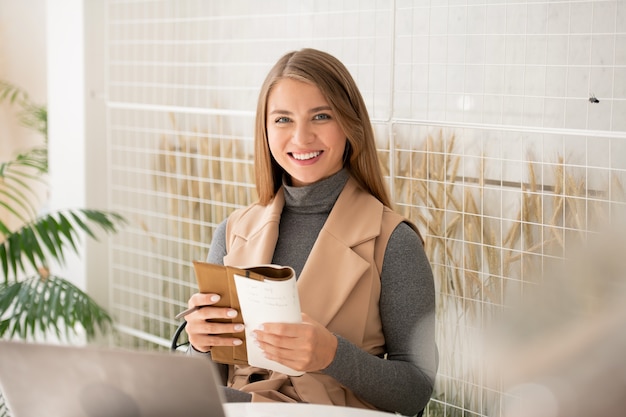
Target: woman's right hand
[(203, 331)]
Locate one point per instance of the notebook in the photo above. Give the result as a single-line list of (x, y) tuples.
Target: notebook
[(262, 293), (71, 381)]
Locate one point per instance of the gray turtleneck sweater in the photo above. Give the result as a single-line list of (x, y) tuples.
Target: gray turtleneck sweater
[(403, 381)]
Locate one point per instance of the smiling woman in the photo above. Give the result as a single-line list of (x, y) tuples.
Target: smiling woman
[(303, 135), (337, 90), (365, 285)]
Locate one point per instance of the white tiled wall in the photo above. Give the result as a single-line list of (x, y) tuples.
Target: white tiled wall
[(509, 81)]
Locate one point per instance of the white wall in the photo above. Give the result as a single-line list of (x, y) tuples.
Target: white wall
[(22, 63), (96, 155), (66, 112)]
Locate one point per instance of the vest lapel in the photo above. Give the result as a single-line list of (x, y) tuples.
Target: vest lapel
[(334, 267), (254, 235), (339, 285)]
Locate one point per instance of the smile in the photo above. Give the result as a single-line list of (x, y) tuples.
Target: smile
[(305, 156)]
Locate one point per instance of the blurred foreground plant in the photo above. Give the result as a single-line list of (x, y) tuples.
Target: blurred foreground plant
[(34, 301)]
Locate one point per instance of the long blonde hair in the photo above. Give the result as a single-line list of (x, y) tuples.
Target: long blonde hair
[(338, 87)]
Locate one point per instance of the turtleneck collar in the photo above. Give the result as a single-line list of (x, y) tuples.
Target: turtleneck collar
[(318, 197)]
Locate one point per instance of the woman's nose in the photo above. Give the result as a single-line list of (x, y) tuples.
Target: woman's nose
[(303, 134)]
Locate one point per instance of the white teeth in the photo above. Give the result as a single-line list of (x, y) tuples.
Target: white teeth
[(305, 156)]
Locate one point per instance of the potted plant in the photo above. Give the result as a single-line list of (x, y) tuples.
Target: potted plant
[(33, 300)]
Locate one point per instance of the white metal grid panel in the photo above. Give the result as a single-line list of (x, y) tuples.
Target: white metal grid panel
[(484, 124)]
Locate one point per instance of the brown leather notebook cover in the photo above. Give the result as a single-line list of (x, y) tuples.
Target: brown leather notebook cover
[(219, 279)]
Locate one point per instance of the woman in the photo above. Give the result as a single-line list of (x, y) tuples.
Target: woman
[(366, 289)]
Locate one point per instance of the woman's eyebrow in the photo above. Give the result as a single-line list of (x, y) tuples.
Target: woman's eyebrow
[(320, 108), (279, 111), (313, 110)]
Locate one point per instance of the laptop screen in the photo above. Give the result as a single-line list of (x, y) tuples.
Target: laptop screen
[(71, 381)]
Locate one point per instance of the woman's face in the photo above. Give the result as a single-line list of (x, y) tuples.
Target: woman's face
[(303, 134)]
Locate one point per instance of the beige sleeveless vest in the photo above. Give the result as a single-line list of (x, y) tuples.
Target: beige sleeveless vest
[(339, 286)]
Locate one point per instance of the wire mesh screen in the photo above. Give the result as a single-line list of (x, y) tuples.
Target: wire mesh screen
[(182, 84), (500, 127), (176, 180)]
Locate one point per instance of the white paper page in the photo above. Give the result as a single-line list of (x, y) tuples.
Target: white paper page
[(267, 302)]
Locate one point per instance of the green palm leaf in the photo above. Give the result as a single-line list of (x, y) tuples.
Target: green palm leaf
[(43, 303), (12, 93), (16, 195), (32, 115), (51, 236), (4, 412), (35, 158), (49, 304)]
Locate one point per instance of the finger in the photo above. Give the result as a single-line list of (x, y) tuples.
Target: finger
[(204, 343), (210, 320), (282, 329), (304, 346), (293, 359), (200, 299), (207, 312), (215, 328), (288, 350), (289, 329), (287, 340), (212, 313), (202, 335), (277, 347)]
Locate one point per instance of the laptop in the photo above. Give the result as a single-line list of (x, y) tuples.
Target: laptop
[(71, 381)]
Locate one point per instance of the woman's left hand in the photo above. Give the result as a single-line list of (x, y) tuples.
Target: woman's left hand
[(306, 346)]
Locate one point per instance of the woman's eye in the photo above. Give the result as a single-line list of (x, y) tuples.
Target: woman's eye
[(282, 120), (322, 116)]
